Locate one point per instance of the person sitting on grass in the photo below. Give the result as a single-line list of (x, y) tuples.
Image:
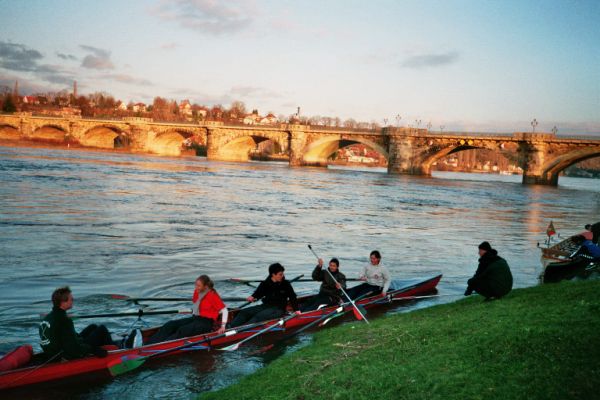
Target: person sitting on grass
[(329, 293), (275, 292), (493, 278), (58, 337)]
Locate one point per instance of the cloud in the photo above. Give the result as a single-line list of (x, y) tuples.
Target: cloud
[(255, 92), (68, 57), (99, 59), (169, 46), (128, 79), (25, 87), (206, 16), (431, 60), (17, 57)]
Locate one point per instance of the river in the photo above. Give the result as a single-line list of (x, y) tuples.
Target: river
[(141, 225)]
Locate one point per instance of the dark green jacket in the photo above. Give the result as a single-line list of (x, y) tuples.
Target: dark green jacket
[(328, 286), (493, 277), (57, 334)]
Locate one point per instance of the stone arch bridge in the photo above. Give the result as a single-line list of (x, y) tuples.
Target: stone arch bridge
[(542, 156)]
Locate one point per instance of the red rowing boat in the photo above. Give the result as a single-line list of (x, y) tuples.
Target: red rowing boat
[(40, 372)]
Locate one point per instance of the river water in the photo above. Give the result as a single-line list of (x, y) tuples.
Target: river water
[(148, 226)]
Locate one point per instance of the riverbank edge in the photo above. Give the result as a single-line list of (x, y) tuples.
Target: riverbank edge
[(541, 342)]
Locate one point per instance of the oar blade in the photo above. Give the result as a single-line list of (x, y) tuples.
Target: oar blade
[(360, 312), (232, 347), (125, 364)]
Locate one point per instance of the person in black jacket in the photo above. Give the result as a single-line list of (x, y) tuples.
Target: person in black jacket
[(329, 293), (493, 278), (595, 228), (275, 292), (58, 336)]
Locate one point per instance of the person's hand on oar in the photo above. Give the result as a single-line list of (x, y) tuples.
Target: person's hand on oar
[(358, 312)]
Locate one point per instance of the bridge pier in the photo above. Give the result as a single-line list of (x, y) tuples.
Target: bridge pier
[(532, 158), (404, 150)]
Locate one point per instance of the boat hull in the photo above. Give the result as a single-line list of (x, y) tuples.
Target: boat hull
[(93, 365)]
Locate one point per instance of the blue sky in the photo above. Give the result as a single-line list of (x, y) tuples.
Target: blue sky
[(466, 65)]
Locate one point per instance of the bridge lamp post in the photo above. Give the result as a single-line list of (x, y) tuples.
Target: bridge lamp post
[(417, 122), (429, 125), (442, 128), (554, 130), (385, 121), (534, 123), (398, 118)]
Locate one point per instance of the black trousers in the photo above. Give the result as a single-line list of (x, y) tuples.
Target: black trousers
[(363, 288), (316, 301), (96, 335), (181, 328), (262, 312)]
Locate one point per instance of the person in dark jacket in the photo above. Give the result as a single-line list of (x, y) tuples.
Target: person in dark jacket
[(58, 336), (492, 278), (275, 292), (595, 228), (329, 293)]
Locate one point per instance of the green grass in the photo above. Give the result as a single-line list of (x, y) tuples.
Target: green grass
[(536, 343)]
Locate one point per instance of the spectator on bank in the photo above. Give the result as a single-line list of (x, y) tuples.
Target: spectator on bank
[(493, 278)]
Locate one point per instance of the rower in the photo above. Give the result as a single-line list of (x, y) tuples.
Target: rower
[(58, 335), (332, 282), (275, 292), (207, 307), (376, 276)]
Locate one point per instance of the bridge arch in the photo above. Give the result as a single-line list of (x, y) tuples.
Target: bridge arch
[(437, 152), (552, 169), (239, 148), (319, 151), (105, 136), (169, 141), (8, 131), (51, 132)]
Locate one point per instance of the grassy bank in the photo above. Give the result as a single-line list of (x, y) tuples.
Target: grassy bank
[(537, 343)]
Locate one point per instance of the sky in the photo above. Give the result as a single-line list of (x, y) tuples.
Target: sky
[(479, 65)]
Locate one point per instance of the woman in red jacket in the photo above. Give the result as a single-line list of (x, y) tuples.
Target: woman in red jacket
[(206, 309)]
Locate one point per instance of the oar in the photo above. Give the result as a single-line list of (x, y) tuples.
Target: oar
[(296, 279), (357, 312), (322, 320), (247, 281), (281, 322), (123, 364), (138, 313), (424, 297), (138, 299)]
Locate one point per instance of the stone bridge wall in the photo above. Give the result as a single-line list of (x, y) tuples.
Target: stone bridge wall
[(542, 156)]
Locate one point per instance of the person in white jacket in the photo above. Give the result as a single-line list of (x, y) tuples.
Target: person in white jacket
[(377, 278)]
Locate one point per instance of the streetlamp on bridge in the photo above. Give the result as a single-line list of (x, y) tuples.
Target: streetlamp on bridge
[(398, 118), (442, 128), (534, 123), (429, 125), (554, 130)]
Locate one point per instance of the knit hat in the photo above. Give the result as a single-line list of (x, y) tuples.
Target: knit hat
[(485, 246)]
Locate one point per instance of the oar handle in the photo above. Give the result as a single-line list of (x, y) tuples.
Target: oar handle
[(138, 313), (341, 288)]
